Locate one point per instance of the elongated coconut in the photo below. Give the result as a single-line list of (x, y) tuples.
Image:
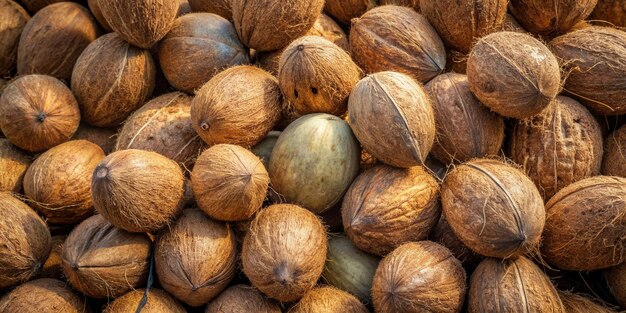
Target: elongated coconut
[(13, 165), (393, 118), (158, 301), (326, 299), (222, 8), (575, 303), (616, 279), (614, 161), (13, 18), (242, 299), (344, 11), (43, 295), (612, 11), (414, 4), (103, 137), (442, 234), (418, 277), (551, 17), (263, 149), (94, 7)]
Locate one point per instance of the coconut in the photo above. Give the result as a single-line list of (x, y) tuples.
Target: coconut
[(393, 118), (54, 38), (24, 241), (574, 303), (13, 18), (38, 112), (410, 46), (103, 261), (493, 208), (414, 4), (344, 11), (158, 301), (242, 299), (35, 5), (512, 25), (596, 80), (237, 106), (614, 162), (263, 150), (327, 299), (53, 267), (44, 296), (612, 11), (465, 128), (59, 181), (284, 251), (219, 7), (95, 10), (456, 62), (616, 279), (442, 234), (183, 8), (103, 137), (417, 277), (163, 125), (112, 79), (551, 17), (209, 43), (138, 191), (515, 285), (13, 166), (513, 74), (585, 225), (327, 168)]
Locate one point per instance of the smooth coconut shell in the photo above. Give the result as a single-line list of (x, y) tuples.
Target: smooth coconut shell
[(419, 277), (327, 299), (513, 74), (442, 234), (208, 43), (242, 299), (44, 296), (493, 208), (551, 17), (393, 38), (53, 267), (393, 118), (59, 181), (574, 303), (111, 80), (24, 241), (414, 4), (616, 279), (585, 225), (94, 7), (558, 147), (13, 18), (612, 11), (103, 261), (222, 8), (103, 137), (13, 165), (38, 112), (614, 162), (594, 59), (344, 11), (516, 285), (325, 170), (54, 38), (284, 251), (158, 301), (263, 150), (466, 129), (163, 125)]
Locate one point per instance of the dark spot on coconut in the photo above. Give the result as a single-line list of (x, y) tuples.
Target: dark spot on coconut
[(314, 90), (295, 92), (102, 171), (283, 274), (204, 126), (300, 47), (41, 117), (489, 87)]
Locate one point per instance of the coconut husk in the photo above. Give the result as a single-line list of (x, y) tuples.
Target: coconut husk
[(242, 299), (222, 8), (551, 17), (614, 162), (512, 25), (263, 150), (326, 299), (43, 295), (13, 18), (344, 11), (417, 277), (442, 234), (13, 165), (616, 279), (103, 137), (414, 4), (95, 10), (158, 301), (53, 267), (456, 62), (612, 11), (575, 303)]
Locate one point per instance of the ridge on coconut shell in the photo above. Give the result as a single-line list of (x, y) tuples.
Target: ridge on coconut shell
[(551, 17), (614, 162), (43, 295), (13, 165), (158, 301), (616, 279), (13, 18), (242, 299), (414, 4), (612, 11), (575, 303), (344, 11), (222, 8), (326, 299)]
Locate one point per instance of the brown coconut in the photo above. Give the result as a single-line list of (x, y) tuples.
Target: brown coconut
[(35, 5), (393, 118), (183, 8), (575, 303), (414, 4), (466, 129), (43, 295), (614, 162), (158, 301), (237, 106), (59, 181), (493, 208), (163, 125), (242, 299), (13, 165), (103, 261), (103, 137), (616, 279), (222, 8), (344, 11), (393, 38), (208, 43), (38, 112), (54, 38), (284, 251), (512, 25), (612, 11), (263, 149), (516, 285), (442, 234), (327, 299), (13, 18), (94, 7), (53, 267), (24, 241), (551, 17), (419, 277), (585, 225), (513, 74), (111, 80), (595, 79)]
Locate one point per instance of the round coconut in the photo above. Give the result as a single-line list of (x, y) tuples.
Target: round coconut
[(327, 168), (551, 17), (222, 8), (111, 79), (53, 267), (558, 147), (138, 191), (442, 234), (512, 25), (574, 303), (585, 225), (38, 112), (43, 295), (284, 251), (393, 118), (103, 261), (513, 74), (419, 277), (208, 43), (612, 11), (616, 279), (516, 285), (13, 165), (163, 125), (24, 241), (614, 162), (466, 129), (242, 299), (327, 299), (344, 11), (13, 18), (94, 7), (59, 181), (410, 46), (263, 150), (596, 80), (103, 137), (414, 4), (54, 38), (493, 208), (237, 106), (158, 301)]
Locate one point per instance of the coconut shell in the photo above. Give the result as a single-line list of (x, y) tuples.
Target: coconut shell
[(38, 112), (512, 25), (13, 18), (222, 8), (44, 296), (327, 299), (103, 137), (414, 4), (442, 234), (585, 225), (616, 279), (612, 11), (574, 303), (242, 299), (35, 5), (158, 301), (344, 11), (551, 17), (95, 10), (513, 74), (614, 162), (111, 80), (54, 38), (284, 251), (263, 150), (516, 285), (393, 118), (53, 267), (465, 128), (13, 165), (419, 277), (24, 241), (594, 59)]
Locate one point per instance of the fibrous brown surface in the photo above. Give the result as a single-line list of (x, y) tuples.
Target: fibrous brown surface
[(13, 165), (242, 299), (43, 295), (551, 17), (612, 11), (219, 7), (159, 301), (13, 18), (614, 161), (325, 299)]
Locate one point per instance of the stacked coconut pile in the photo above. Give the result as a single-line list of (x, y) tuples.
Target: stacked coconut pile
[(260, 156)]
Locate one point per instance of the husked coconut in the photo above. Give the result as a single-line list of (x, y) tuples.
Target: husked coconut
[(575, 303), (616, 279), (94, 7), (612, 11), (158, 301), (442, 234), (325, 299), (43, 295), (614, 161), (222, 8), (242, 299), (345, 10), (103, 137), (13, 18), (551, 17), (13, 165)]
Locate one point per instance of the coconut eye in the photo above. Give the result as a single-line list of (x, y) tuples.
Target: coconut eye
[(295, 92), (314, 90), (204, 126)]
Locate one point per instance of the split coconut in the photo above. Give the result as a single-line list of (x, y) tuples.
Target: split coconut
[(551, 17), (242, 299), (43, 296), (13, 165), (344, 11), (614, 162), (325, 299), (616, 279), (13, 18), (158, 301), (612, 11), (222, 8)]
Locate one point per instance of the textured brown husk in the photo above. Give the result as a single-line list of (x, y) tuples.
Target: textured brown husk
[(242, 299), (103, 137), (614, 162), (442, 234), (35, 5), (95, 10), (551, 17), (616, 279), (575, 303), (345, 10), (222, 8), (13, 165), (414, 4), (44, 295), (612, 11), (183, 8), (159, 301), (13, 18), (325, 299), (512, 25)]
